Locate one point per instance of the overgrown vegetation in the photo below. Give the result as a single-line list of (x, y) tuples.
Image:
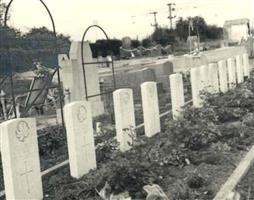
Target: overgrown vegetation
[(190, 160), (21, 51), (198, 27), (164, 36), (193, 26)]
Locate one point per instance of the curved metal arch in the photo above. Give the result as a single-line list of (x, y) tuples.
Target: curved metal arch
[(83, 60), (58, 71), (45, 6)]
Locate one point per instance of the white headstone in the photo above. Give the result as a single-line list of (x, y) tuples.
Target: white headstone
[(231, 73), (196, 87), (246, 65), (124, 117), (223, 79), (214, 79), (151, 111), (205, 79), (20, 159), (79, 127), (239, 69), (177, 94), (73, 77), (66, 72)]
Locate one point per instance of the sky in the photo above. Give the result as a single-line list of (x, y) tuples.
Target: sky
[(121, 18)]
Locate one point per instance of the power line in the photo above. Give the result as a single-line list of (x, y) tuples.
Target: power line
[(155, 20), (170, 17)]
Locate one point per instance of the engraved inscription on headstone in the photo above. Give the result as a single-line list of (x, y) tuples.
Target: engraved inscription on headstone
[(82, 114), (20, 159), (26, 174), (126, 97)]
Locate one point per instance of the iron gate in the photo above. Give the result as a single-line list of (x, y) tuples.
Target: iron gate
[(95, 63)]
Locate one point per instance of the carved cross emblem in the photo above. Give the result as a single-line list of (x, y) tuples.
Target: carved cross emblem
[(22, 131), (82, 114), (26, 174)]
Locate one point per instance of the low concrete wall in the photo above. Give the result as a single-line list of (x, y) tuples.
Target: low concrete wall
[(163, 67), (223, 53), (185, 62), (133, 79), (162, 70)]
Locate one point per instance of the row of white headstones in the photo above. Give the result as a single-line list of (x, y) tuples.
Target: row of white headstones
[(19, 144)]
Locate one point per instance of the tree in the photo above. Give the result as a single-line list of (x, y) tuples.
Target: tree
[(2, 9), (106, 47), (20, 52), (182, 28), (214, 32), (40, 45), (147, 42), (200, 28), (8, 41), (163, 36), (135, 43)]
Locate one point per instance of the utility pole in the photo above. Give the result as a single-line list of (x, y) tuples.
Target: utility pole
[(155, 19), (170, 17)]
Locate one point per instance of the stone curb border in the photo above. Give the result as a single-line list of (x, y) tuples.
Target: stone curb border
[(237, 175)]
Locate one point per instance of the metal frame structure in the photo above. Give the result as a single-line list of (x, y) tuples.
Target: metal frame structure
[(94, 63), (56, 69)]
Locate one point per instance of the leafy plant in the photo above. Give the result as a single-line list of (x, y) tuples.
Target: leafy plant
[(197, 129)]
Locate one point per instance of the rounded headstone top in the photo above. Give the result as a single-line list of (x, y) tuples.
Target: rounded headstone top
[(126, 42)]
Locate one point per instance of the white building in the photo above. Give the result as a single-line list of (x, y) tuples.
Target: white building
[(236, 30)]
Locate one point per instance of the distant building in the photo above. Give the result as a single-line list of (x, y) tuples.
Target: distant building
[(236, 30)]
